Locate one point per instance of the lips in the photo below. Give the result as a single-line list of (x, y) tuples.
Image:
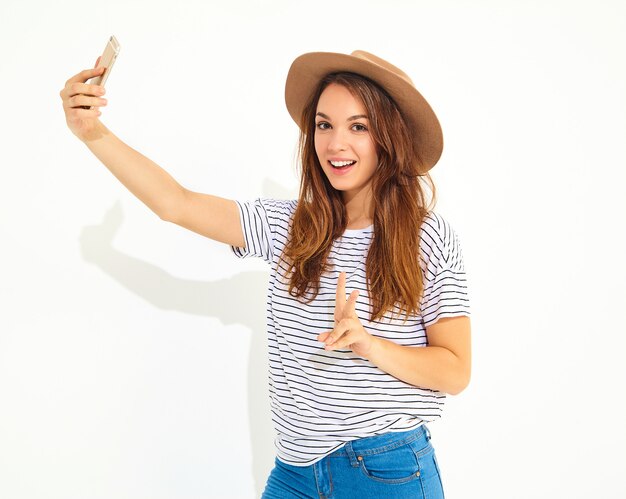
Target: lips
[(341, 167), (342, 163)]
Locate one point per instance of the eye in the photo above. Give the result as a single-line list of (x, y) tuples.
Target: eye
[(359, 127), (322, 125)]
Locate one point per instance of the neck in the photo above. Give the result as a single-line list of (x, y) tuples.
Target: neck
[(359, 208)]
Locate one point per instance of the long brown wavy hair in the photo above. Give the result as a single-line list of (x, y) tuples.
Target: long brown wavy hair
[(394, 276)]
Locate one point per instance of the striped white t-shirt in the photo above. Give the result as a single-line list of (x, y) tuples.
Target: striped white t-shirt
[(322, 399)]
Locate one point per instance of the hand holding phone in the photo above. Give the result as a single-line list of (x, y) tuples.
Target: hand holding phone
[(83, 93), (107, 59)]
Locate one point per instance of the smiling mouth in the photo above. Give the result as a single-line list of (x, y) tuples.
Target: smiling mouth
[(341, 164)]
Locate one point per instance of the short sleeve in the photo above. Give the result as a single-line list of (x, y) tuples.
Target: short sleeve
[(265, 225), (445, 281)]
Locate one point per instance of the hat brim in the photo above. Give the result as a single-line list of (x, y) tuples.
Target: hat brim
[(308, 69)]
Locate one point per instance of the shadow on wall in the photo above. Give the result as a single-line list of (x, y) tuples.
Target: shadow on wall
[(200, 298)]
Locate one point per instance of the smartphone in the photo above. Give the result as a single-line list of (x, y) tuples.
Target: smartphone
[(109, 56)]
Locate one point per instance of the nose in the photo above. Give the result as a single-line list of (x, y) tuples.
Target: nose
[(338, 141)]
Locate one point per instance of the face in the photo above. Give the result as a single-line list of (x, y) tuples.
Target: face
[(343, 142)]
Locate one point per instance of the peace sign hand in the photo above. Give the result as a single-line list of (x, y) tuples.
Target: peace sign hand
[(348, 331)]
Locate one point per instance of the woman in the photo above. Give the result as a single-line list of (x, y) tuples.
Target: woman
[(353, 380)]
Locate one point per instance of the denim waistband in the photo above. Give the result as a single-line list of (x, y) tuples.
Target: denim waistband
[(380, 443)]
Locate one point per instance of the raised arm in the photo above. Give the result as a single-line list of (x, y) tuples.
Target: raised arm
[(211, 216)]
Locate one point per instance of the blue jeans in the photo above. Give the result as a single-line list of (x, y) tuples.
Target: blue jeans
[(393, 465)]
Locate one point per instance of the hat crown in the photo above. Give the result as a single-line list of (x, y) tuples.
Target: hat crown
[(362, 54)]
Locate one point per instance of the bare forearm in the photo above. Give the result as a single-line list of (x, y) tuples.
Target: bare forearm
[(156, 188), (431, 367)]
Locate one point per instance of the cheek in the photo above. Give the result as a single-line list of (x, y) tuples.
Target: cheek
[(369, 151), (319, 146)]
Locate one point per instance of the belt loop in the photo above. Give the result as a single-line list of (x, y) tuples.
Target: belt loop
[(351, 455), (427, 432)]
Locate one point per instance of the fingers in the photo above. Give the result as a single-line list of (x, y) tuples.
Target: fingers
[(340, 294), (340, 297), (83, 88), (80, 95), (81, 104), (80, 101), (348, 329), (350, 308), (345, 341), (349, 334), (76, 86), (79, 88), (331, 337), (84, 75), (345, 308), (322, 337), (82, 114)]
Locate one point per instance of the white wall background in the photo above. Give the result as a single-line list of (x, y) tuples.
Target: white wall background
[(132, 360)]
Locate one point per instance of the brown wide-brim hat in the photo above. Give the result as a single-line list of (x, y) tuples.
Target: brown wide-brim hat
[(308, 69)]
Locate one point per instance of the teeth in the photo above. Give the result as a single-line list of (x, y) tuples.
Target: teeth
[(342, 163)]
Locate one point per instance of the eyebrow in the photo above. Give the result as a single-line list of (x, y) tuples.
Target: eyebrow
[(351, 118)]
